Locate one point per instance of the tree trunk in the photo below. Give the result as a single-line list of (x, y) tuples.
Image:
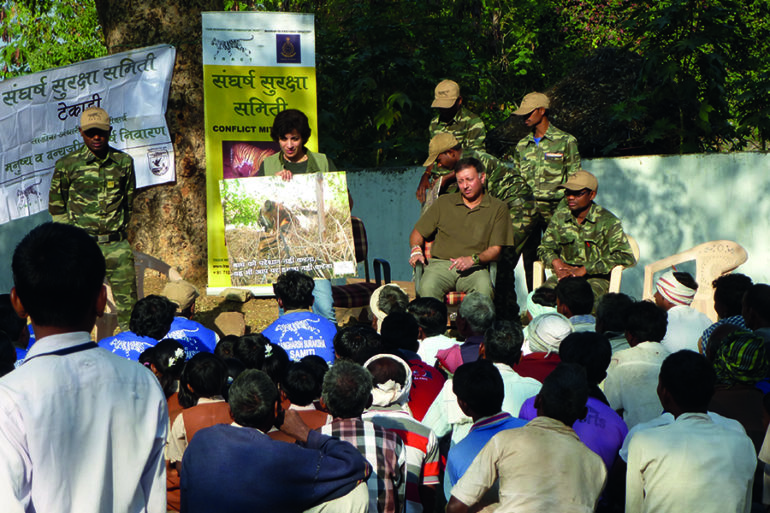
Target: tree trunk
[(169, 220)]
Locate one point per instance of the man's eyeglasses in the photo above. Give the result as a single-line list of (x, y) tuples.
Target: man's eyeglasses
[(576, 194)]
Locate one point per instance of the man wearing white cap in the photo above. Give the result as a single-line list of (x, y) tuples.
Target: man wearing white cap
[(674, 293)]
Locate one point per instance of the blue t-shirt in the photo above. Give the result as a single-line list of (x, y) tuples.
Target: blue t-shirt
[(127, 344), (189, 333), (193, 336), (22, 353), (301, 333)]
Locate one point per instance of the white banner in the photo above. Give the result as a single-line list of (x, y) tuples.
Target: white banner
[(40, 115)]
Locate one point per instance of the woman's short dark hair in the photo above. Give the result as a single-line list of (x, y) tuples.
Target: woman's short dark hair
[(288, 121)]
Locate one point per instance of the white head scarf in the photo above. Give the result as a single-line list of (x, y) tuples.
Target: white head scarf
[(545, 333), (670, 288), (390, 392)]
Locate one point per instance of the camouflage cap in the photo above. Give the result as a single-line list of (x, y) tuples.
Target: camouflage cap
[(531, 102), (582, 179), (95, 118), (182, 293), (440, 143), (446, 94)]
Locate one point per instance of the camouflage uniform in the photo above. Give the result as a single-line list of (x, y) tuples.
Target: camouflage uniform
[(97, 195), (544, 166), (469, 131), (599, 244)]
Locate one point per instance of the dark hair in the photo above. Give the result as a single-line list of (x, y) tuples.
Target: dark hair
[(58, 273), (502, 343), (167, 361), (399, 330), (152, 316), (234, 369), (294, 289), (646, 321), (576, 294), (300, 384), (690, 379), (252, 398), (347, 389), (392, 299), (430, 314), (544, 296), (480, 385), (276, 362), (357, 343), (728, 293), (289, 120), (206, 374), (589, 349), (385, 368), (318, 367), (250, 350), (10, 322), (686, 279), (7, 354), (225, 348), (470, 162), (611, 312), (564, 393)]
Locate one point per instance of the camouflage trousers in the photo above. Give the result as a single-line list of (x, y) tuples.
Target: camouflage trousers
[(121, 275), (506, 302), (540, 219)]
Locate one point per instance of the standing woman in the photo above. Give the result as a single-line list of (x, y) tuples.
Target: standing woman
[(291, 130)]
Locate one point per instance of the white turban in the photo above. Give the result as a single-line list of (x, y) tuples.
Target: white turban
[(545, 333), (670, 288), (390, 392)]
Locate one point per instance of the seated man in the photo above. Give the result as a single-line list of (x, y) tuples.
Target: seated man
[(729, 290), (575, 301), (756, 310), (469, 229), (674, 293), (151, 319), (281, 476), (542, 466), (611, 319), (719, 462), (183, 328), (299, 331), (475, 316), (431, 316), (584, 239)]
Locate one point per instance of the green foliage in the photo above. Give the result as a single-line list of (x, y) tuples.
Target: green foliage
[(242, 209), (46, 35)]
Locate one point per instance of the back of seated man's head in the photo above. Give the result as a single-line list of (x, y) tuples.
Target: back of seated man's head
[(564, 394), (502, 343), (392, 299), (430, 314), (400, 331), (204, 375), (250, 350), (300, 384), (480, 386), (252, 399), (539, 301), (675, 288), (294, 290), (357, 343), (689, 380), (319, 368), (391, 379), (645, 322), (152, 317), (590, 350), (11, 324), (756, 306), (226, 346), (574, 296), (611, 312), (477, 312), (347, 390), (58, 273), (729, 290)]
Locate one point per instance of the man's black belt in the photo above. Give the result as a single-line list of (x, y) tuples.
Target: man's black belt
[(109, 237)]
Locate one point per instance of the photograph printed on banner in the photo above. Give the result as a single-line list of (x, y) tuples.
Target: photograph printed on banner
[(272, 226)]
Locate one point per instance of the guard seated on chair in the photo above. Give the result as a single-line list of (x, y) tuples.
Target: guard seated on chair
[(468, 229)]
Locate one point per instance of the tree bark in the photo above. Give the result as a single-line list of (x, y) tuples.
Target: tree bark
[(169, 220)]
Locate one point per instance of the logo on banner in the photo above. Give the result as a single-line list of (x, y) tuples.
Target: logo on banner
[(158, 161), (288, 48), (25, 195), (228, 45)]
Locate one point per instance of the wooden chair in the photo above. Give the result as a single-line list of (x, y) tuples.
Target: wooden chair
[(538, 269), (712, 260)]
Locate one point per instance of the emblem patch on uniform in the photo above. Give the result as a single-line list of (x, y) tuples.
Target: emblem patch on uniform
[(554, 156), (158, 160)]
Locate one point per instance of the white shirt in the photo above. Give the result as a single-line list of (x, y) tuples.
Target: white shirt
[(685, 326), (429, 346), (82, 432), (693, 464)]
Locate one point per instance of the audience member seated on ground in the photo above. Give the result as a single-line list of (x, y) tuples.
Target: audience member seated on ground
[(602, 429), (150, 320), (539, 301), (357, 343), (226, 347), (540, 351), (347, 392), (502, 346), (392, 380), (431, 316), (475, 316), (399, 336), (319, 368), (468, 229), (756, 310), (7, 354), (318, 471), (674, 294), (184, 328), (632, 377), (582, 238), (298, 391), (729, 290), (480, 392), (276, 363), (81, 429), (388, 299), (250, 350), (575, 301), (542, 466), (200, 393), (15, 328), (693, 464), (611, 319), (300, 331)]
